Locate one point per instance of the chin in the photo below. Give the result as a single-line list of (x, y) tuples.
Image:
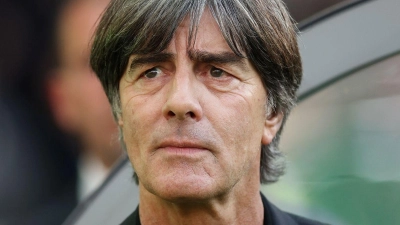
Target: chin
[(184, 189)]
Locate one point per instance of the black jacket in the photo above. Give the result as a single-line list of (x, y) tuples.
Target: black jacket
[(272, 216)]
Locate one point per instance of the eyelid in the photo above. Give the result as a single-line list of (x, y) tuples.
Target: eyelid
[(138, 70), (217, 68), (226, 72), (226, 67), (151, 70)]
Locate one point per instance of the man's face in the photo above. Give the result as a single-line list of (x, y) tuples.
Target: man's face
[(194, 118)]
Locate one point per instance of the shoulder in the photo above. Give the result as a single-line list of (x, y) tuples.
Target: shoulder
[(273, 215), (304, 221)]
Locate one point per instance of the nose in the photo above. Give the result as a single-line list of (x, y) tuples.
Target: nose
[(182, 99)]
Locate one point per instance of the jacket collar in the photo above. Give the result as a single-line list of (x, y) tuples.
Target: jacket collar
[(274, 216)]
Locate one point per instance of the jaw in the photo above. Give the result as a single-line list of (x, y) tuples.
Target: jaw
[(196, 207)]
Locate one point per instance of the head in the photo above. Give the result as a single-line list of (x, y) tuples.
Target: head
[(77, 99), (260, 32)]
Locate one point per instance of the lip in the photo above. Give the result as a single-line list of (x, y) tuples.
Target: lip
[(182, 147)]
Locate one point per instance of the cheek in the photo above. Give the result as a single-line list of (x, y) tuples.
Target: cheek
[(132, 131), (139, 120), (239, 122), (242, 113)]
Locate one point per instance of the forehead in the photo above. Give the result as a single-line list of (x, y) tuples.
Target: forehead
[(208, 45)]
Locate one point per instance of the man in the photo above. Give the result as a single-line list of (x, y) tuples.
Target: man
[(76, 96), (200, 90)]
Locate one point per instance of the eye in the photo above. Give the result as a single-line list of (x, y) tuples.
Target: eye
[(152, 73), (215, 72)]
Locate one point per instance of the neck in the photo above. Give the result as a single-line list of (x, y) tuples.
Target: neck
[(235, 207)]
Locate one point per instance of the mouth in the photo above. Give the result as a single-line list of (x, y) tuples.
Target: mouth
[(179, 147)]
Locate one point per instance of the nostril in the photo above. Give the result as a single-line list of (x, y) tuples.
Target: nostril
[(171, 114), (191, 114)]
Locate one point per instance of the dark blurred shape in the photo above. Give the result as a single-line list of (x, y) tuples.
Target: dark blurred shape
[(77, 99), (38, 162), (36, 165)]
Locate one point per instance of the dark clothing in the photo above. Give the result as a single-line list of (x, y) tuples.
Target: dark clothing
[(272, 216), (132, 219)]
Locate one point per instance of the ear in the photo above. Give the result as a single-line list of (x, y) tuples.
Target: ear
[(271, 127), (120, 122)]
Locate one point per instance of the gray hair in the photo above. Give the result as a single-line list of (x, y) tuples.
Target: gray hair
[(260, 30)]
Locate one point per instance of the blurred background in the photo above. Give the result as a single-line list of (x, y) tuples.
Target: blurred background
[(58, 140), (37, 161)]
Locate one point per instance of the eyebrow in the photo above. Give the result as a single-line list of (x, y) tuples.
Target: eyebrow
[(199, 56), (160, 57), (229, 58)]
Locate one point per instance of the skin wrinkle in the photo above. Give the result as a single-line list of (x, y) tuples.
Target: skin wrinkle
[(244, 68), (232, 157)]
